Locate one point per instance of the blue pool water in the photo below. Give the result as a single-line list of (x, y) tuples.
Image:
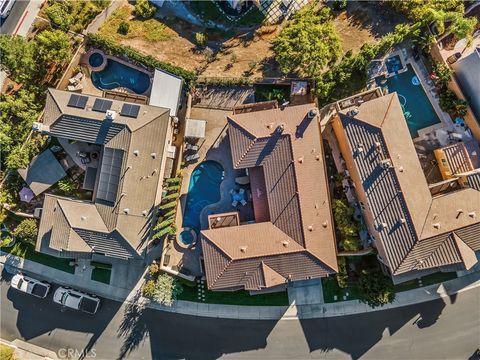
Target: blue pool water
[(95, 60), (203, 190), (116, 75), (416, 106), (393, 64)]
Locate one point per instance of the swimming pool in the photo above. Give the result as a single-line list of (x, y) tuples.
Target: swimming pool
[(117, 74), (393, 64), (95, 60), (417, 109), (203, 190)]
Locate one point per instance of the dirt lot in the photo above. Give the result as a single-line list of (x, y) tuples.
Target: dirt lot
[(244, 51)]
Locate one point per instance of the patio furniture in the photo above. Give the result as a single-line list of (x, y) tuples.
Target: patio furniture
[(241, 191), (85, 160), (192, 157), (234, 203), (232, 191), (243, 202), (191, 147), (242, 180)]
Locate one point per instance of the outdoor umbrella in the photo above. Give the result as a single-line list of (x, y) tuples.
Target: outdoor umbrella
[(26, 195)]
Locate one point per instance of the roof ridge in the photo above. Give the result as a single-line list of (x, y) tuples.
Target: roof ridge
[(387, 111), (246, 151)]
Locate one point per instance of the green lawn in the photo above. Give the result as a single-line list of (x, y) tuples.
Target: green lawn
[(435, 278), (234, 298), (101, 275), (28, 252)]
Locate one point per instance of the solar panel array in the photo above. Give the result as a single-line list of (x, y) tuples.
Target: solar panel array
[(77, 101), (110, 174), (102, 105), (130, 110)]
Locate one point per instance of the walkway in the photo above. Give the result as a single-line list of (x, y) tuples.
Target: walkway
[(309, 311), (103, 16)]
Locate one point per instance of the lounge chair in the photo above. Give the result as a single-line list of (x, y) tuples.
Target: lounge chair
[(234, 203), (191, 147), (192, 157), (241, 191), (77, 87), (243, 202)]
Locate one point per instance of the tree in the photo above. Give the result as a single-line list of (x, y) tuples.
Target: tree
[(346, 225), (376, 289), (17, 57), (145, 9), (27, 231), (462, 27), (444, 74), (342, 275), (66, 186), (308, 43), (449, 102), (53, 47), (200, 39), (60, 13), (123, 28)]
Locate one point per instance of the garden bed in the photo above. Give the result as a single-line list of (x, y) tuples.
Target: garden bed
[(101, 275), (27, 251)]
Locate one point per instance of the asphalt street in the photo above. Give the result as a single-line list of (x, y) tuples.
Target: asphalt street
[(9, 24), (447, 329)]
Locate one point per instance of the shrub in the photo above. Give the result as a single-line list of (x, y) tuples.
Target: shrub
[(173, 188), (167, 288), (27, 230), (153, 269), (444, 73), (175, 180), (112, 48), (169, 205), (7, 352), (164, 231), (145, 9), (172, 196), (449, 102), (123, 28), (200, 39), (170, 213), (342, 275), (164, 223), (376, 289), (339, 4), (66, 186), (346, 225), (148, 289)]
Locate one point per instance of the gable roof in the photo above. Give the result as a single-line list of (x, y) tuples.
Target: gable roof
[(129, 172), (414, 227), (286, 144)]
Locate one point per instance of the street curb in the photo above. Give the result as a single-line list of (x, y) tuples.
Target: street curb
[(292, 312)]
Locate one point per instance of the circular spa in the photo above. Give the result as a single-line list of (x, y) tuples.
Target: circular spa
[(97, 60)]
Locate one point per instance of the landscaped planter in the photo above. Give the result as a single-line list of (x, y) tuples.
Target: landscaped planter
[(4, 236)]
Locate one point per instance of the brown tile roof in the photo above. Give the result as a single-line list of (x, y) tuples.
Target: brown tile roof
[(379, 133), (286, 145)]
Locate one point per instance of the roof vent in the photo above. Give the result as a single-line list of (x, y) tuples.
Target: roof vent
[(403, 221), (144, 212), (110, 115), (436, 225), (153, 155), (459, 212), (385, 164), (378, 145), (285, 243), (136, 152), (312, 113), (353, 112), (382, 226), (280, 128), (154, 171), (472, 214), (243, 249), (317, 157), (360, 149), (83, 218), (400, 169), (300, 159), (269, 125), (325, 224), (310, 228), (126, 211)]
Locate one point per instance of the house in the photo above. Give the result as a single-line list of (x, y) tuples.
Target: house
[(133, 142), (418, 228), (292, 237)]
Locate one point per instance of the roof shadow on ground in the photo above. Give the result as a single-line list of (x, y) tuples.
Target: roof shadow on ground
[(357, 334)]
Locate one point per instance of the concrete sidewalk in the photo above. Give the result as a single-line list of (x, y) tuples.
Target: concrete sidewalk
[(294, 311)]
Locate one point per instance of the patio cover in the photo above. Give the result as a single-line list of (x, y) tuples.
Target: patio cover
[(166, 91), (195, 128), (43, 171)]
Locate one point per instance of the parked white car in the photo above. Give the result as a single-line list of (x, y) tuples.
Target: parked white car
[(30, 286), (6, 7), (76, 300)]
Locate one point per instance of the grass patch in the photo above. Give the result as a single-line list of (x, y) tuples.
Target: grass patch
[(271, 92), (7, 352), (149, 29), (101, 275), (27, 251), (190, 293), (331, 289), (431, 279)]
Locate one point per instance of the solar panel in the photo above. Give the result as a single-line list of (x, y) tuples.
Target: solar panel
[(110, 174), (130, 110), (102, 105), (77, 101)]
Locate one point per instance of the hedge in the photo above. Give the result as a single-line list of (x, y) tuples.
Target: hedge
[(175, 180), (173, 188), (171, 213), (172, 196), (112, 48), (164, 231), (169, 205)]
